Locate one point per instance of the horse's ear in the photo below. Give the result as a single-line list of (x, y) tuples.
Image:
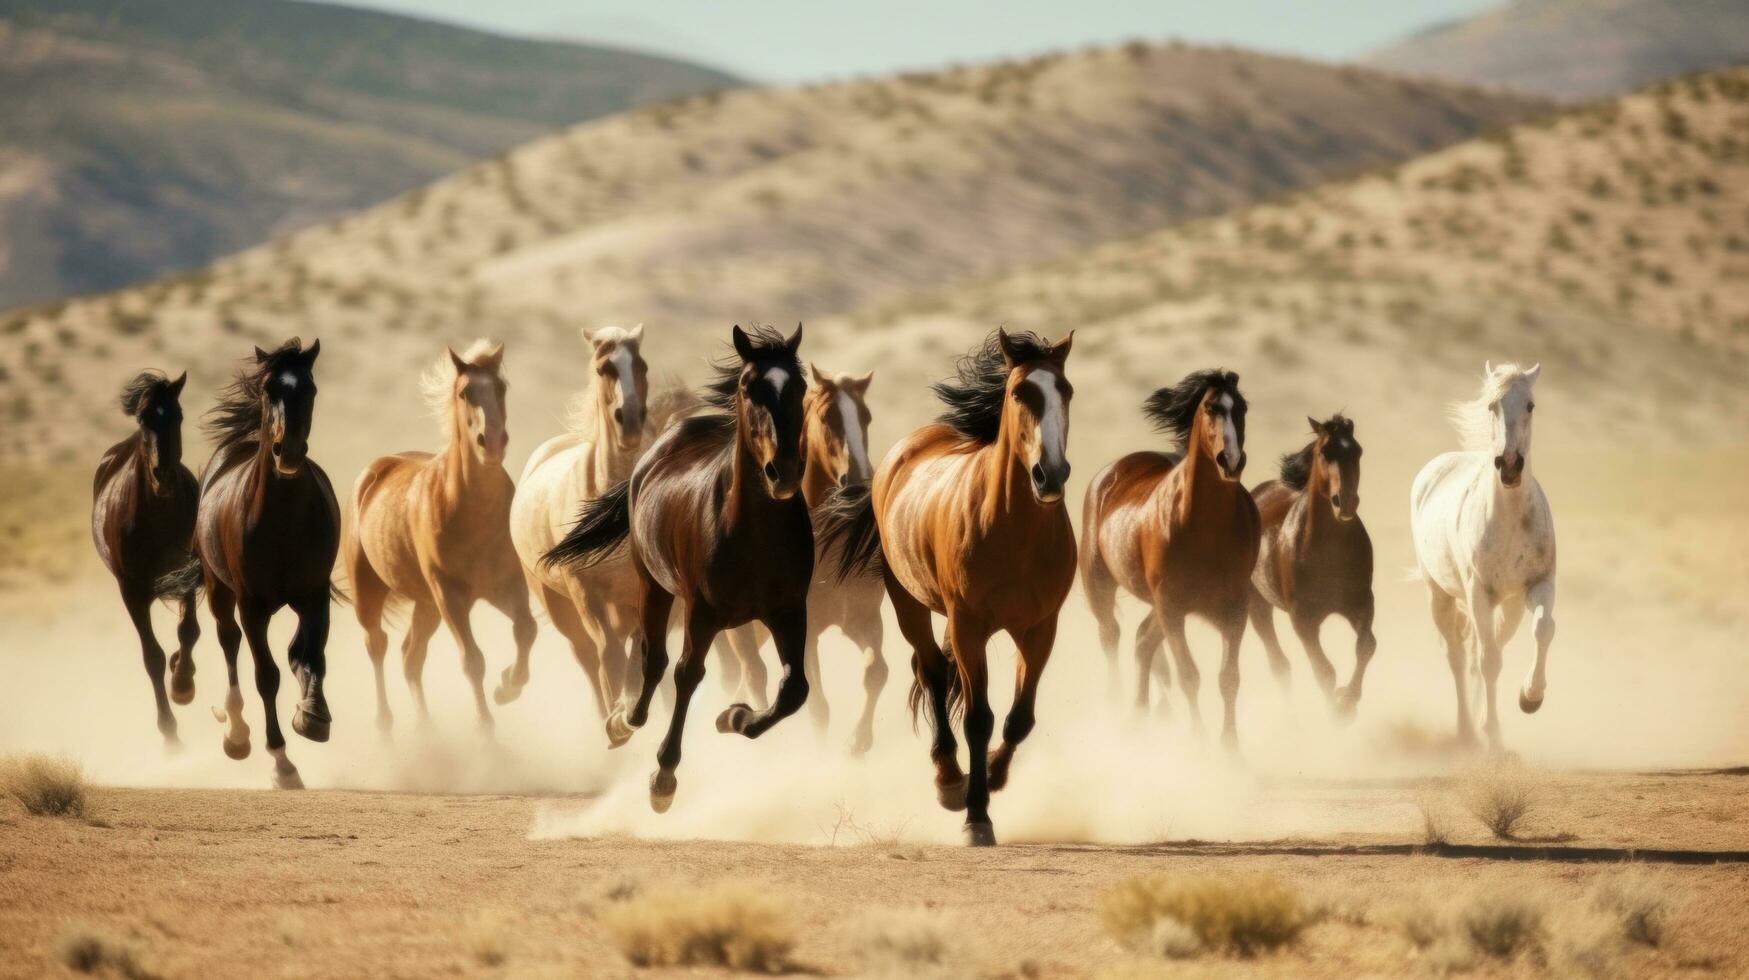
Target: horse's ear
[(1535, 369), (455, 360), (314, 349), (588, 335), (860, 384), (1060, 353), (494, 357), (1488, 367), (636, 334), (176, 386), (1317, 426), (743, 345), (261, 356), (1010, 356), (794, 343), (820, 378)]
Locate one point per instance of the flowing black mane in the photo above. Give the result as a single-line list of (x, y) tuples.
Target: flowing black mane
[(1296, 468), (974, 396), (236, 420), (769, 347), (139, 393), (1173, 410)]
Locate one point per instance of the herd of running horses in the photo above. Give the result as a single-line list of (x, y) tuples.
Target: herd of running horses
[(754, 504)]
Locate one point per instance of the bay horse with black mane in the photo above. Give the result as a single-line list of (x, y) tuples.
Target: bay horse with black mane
[(715, 518), (1316, 558), (1179, 531), (143, 502), (267, 535), (966, 518)]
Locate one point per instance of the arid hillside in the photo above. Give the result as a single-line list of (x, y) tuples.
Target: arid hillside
[(752, 205), (1577, 49), (147, 136)]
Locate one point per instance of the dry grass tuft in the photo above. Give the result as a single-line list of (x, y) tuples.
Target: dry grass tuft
[(45, 785), (727, 924), (1455, 934), (1584, 942), (1502, 922), (87, 950), (1435, 819), (1640, 904), (904, 942), (1241, 915), (1500, 798)]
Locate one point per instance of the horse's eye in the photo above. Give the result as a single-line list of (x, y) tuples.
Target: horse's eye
[(1531, 407)]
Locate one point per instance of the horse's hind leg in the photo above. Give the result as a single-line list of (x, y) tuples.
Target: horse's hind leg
[(863, 628), (182, 661), (687, 673), (512, 600), (740, 655), (1447, 618), (562, 613), (309, 664), (1541, 600), (1348, 696), (255, 619), (1035, 651), (1151, 649), (421, 626), (222, 603), (932, 678), (139, 605), (1308, 627), (455, 605), (370, 595), (819, 712), (651, 657), (1101, 591), (1262, 616), (1189, 678)]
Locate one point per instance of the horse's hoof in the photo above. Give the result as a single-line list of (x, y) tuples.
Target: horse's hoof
[(287, 779), (734, 718), (1527, 705), (238, 750), (980, 834), (952, 795), (860, 743), (172, 743), (619, 731), (181, 681), (1344, 705), (310, 725), (504, 694), (662, 786), (385, 725)]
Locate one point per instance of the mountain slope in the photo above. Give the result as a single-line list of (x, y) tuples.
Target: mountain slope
[(1577, 49), (143, 137)]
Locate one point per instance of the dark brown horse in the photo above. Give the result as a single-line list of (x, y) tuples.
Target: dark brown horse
[(142, 517), (715, 518), (1316, 559), (267, 535), (1178, 531), (967, 518)]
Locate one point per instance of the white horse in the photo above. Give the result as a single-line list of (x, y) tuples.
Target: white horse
[(1485, 542)]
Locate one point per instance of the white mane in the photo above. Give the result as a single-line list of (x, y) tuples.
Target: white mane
[(437, 383), (1474, 420)]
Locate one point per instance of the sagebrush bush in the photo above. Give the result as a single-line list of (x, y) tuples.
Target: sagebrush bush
[(44, 785), (1243, 915), (727, 924), (1639, 903), (1500, 799), (904, 941)]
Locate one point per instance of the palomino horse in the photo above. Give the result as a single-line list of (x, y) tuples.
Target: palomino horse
[(435, 531), (1178, 531), (593, 607), (835, 454), (267, 534), (143, 502), (1316, 559), (716, 519), (1485, 542), (968, 520)]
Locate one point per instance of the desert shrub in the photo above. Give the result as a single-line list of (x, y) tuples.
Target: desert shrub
[(1639, 902), (1503, 922), (904, 942), (1455, 933), (44, 785), (1242, 915), (726, 924), (86, 950), (1583, 942), (1500, 799), (1435, 819)]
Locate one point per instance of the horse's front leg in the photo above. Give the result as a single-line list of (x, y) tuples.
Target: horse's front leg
[(700, 631), (1488, 642), (1035, 651), (971, 639), (255, 618), (1448, 620), (789, 629), (182, 661), (650, 657), (455, 603), (1232, 626), (1189, 678), (512, 601), (1541, 600), (1348, 695), (223, 605), (139, 606), (932, 680), (863, 627), (309, 664)]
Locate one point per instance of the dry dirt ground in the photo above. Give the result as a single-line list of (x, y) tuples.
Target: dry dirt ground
[(332, 883)]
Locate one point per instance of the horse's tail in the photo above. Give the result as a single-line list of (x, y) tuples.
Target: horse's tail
[(601, 530), (337, 595), (956, 691), (847, 524), (182, 580)]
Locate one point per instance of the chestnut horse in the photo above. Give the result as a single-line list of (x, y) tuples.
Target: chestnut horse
[(435, 531), (715, 518), (1316, 560), (968, 520), (593, 607), (835, 454), (267, 534), (143, 502), (1178, 531)]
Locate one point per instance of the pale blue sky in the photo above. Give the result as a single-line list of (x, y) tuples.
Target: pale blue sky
[(812, 40)]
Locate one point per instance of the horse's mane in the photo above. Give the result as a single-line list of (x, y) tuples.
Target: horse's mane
[(437, 382), (1173, 409), (236, 420), (980, 384), (1474, 419), (1296, 468), (139, 392), (768, 345)]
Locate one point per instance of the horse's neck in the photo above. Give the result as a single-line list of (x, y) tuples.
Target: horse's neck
[(1200, 485), (461, 475), (1006, 488), (817, 481), (745, 500), (1316, 521), (609, 462), (1500, 499)]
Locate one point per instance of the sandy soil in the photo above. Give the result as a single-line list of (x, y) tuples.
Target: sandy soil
[(332, 883)]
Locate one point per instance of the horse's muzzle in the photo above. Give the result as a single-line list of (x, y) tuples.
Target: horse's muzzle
[(1047, 483), (1511, 471), (1229, 472)]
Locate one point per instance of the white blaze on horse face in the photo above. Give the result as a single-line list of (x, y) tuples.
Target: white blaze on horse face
[(624, 362), (1053, 423), (1230, 448), (777, 377), (855, 437)]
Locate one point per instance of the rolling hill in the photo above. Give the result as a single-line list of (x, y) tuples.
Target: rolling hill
[(145, 136), (1577, 49)]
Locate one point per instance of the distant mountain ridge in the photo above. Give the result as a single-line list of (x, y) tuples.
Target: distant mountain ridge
[(144, 136), (1576, 49)]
